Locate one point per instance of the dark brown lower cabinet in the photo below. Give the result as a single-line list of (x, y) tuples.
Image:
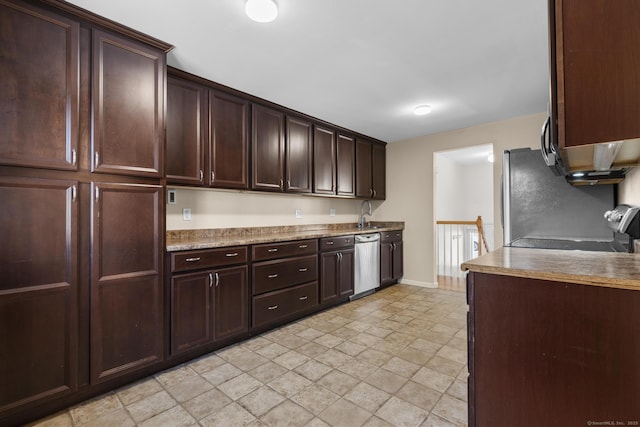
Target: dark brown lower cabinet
[(208, 307), (552, 353), (38, 291), (126, 283), (336, 269), (391, 257)]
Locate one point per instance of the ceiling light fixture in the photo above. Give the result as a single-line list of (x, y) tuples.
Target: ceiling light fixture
[(261, 10), (422, 110)]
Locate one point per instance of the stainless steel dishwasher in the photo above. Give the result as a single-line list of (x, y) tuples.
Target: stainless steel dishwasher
[(367, 264)]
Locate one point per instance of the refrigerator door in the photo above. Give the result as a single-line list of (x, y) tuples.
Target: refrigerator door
[(539, 204)]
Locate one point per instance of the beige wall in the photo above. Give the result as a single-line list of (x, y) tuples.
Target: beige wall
[(410, 184), (629, 189)]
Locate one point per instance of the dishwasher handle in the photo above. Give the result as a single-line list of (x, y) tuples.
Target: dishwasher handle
[(366, 238)]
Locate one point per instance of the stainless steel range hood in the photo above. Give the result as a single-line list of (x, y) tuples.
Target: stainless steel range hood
[(605, 163)]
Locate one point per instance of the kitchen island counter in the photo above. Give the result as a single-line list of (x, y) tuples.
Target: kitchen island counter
[(180, 240), (605, 269)]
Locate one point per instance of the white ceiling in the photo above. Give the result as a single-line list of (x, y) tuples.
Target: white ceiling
[(362, 64)]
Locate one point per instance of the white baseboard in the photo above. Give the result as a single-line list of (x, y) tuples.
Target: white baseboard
[(418, 283)]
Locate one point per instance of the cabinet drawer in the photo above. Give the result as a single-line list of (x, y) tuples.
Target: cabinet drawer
[(284, 249), (333, 243), (273, 275), (193, 260), (277, 305), (391, 236)]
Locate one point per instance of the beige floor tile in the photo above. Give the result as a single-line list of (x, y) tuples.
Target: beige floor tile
[(207, 363), (138, 390), (373, 357), (329, 340), (272, 350), (261, 400), (62, 419), (338, 382), (367, 397), (312, 349), (459, 343), (313, 370), (426, 346), (221, 374), (386, 380), (118, 418), (376, 422), (345, 333), (451, 409), (344, 413), (291, 341), (317, 422), (175, 375), (379, 332), (174, 417), (401, 413), (267, 372), (414, 356), (358, 369), (95, 408), (247, 360), (454, 354), (459, 390), (315, 398), (435, 421), (309, 333), (206, 404), (366, 339), (333, 358), (189, 388), (445, 366), (231, 415), (433, 379), (256, 343), (151, 406), (291, 359), (401, 367), (419, 395), (350, 348), (289, 384), (287, 414), (239, 386)]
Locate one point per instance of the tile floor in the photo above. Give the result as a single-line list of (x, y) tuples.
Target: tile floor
[(395, 358)]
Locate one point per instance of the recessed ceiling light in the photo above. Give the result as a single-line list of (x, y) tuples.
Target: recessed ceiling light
[(422, 110), (261, 10)]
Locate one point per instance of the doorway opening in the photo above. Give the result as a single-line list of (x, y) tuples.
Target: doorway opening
[(463, 210)]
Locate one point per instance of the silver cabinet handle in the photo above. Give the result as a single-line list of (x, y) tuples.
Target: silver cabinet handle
[(281, 184), (192, 259), (213, 176), (338, 256), (74, 193), (232, 254), (302, 298), (96, 159), (303, 246), (217, 279), (210, 280), (97, 194), (272, 276), (330, 243), (375, 193), (74, 157), (302, 270), (272, 250), (347, 241), (273, 307), (201, 175)]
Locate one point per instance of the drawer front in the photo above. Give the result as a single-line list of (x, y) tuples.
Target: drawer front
[(277, 305), (334, 243), (273, 275), (391, 236), (284, 249), (207, 258)]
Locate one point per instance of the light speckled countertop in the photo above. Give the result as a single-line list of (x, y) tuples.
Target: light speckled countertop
[(181, 240), (608, 269)]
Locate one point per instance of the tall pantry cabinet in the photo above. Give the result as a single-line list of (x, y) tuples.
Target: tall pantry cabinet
[(81, 203)]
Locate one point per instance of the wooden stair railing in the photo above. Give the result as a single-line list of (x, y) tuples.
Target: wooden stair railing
[(478, 224)]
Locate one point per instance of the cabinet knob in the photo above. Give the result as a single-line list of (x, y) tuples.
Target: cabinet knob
[(303, 246), (302, 298), (272, 276), (192, 259), (272, 250), (230, 255), (273, 307), (330, 242), (302, 270)]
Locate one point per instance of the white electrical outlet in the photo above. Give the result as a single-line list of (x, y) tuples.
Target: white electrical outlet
[(298, 213), (186, 214), (332, 212)]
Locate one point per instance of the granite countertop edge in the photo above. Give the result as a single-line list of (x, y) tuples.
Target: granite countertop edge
[(183, 240), (605, 269)]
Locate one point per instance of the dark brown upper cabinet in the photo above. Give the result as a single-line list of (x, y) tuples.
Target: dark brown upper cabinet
[(345, 165), (324, 160), (186, 131), (370, 169), (39, 88), (128, 106), (299, 155), (595, 87), (267, 149), (228, 141)]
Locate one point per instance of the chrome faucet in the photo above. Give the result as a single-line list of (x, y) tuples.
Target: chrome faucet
[(363, 213)]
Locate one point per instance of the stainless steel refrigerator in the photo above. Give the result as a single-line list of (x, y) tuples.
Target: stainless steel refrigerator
[(540, 209)]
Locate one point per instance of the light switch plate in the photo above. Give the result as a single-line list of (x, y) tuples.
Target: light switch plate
[(171, 197), (186, 214), (298, 213), (332, 212)]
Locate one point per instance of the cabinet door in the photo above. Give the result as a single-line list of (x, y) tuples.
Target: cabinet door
[(324, 160), (345, 165), (128, 106), (231, 302), (126, 285), (229, 141), (378, 171), (363, 169), (346, 273), (190, 311), (329, 277), (397, 260), (38, 88), (299, 149), (38, 290), (186, 131), (268, 149), (597, 93), (386, 263)]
